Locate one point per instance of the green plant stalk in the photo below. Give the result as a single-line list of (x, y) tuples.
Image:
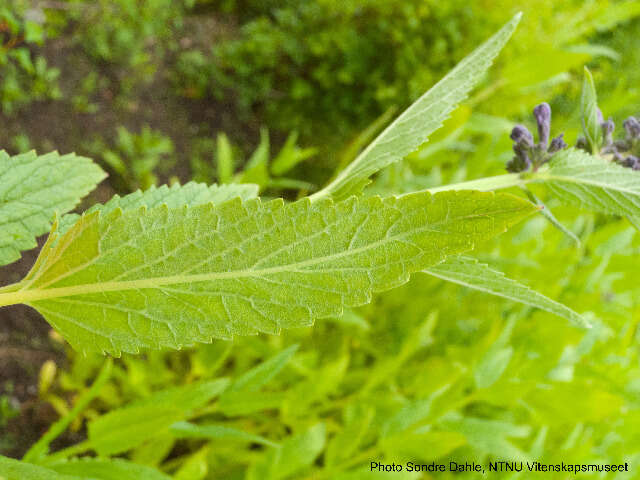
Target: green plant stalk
[(41, 448), (65, 453), (488, 183)]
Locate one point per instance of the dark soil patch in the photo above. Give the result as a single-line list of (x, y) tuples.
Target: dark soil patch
[(25, 344)]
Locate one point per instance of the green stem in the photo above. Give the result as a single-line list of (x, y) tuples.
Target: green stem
[(486, 184), (41, 447), (65, 453), (11, 288), (10, 295)]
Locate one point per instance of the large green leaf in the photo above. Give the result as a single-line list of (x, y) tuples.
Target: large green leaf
[(164, 277), (108, 469), (584, 180), (176, 195), (423, 117), (11, 469), (32, 189), (469, 273)]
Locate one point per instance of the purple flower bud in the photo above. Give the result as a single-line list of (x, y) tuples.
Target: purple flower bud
[(631, 162), (622, 145), (632, 126), (607, 131), (521, 135), (582, 144), (557, 144), (543, 118), (519, 163), (599, 116)]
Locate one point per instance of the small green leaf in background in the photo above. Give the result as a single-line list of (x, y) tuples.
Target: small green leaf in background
[(153, 451), (108, 469), (216, 432), (492, 366), (260, 375), (491, 437), (195, 467), (32, 189), (224, 159), (171, 277), (426, 447), (123, 429), (589, 108), (320, 384), (242, 397), (11, 469), (290, 155), (296, 453), (347, 442), (366, 474), (257, 168)]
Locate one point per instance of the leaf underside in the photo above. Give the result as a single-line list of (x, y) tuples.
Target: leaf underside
[(413, 127), (32, 189), (148, 279), (593, 183), (176, 195), (478, 276)]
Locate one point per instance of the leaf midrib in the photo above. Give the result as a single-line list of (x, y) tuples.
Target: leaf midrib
[(27, 296)]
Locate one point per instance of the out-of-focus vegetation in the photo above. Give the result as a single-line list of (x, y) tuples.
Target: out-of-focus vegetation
[(160, 89)]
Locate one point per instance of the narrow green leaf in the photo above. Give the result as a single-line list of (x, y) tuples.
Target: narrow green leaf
[(594, 183), (290, 155), (164, 277), (195, 467), (176, 195), (108, 469), (32, 189), (125, 428), (153, 451), (216, 432), (413, 127), (257, 168), (243, 403), (11, 469), (426, 447), (346, 442), (469, 273), (491, 437), (41, 447), (589, 109), (295, 454), (224, 158), (492, 366), (260, 375)]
